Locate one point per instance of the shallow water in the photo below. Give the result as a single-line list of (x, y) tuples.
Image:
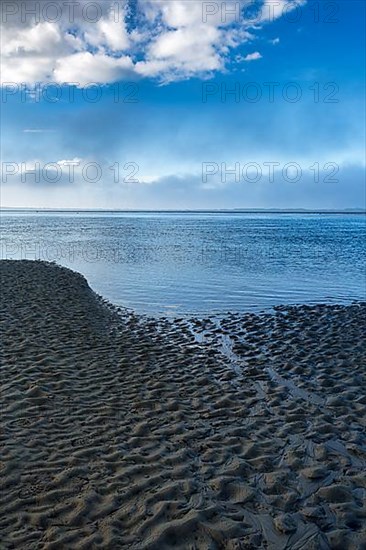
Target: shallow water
[(199, 263)]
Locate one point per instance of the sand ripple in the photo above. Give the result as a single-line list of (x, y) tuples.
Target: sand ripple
[(125, 432)]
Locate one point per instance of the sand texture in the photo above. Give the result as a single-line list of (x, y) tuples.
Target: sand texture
[(119, 431)]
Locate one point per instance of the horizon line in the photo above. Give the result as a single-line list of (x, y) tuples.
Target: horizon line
[(186, 210)]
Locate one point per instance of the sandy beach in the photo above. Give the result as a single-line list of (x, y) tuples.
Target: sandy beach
[(120, 431)]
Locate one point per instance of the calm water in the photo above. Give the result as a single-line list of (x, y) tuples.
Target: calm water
[(199, 263)]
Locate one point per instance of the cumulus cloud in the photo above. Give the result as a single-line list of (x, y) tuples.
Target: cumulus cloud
[(80, 67), (184, 51), (164, 39), (109, 32), (253, 56)]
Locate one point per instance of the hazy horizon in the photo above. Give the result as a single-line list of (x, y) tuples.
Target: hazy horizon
[(217, 210)]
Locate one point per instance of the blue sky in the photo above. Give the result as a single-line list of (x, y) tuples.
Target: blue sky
[(173, 138)]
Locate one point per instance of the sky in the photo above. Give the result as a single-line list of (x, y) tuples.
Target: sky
[(183, 104)]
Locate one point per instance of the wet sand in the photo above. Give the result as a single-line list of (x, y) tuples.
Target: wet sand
[(119, 431)]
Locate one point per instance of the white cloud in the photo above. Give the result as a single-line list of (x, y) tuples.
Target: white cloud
[(184, 51), (33, 39), (183, 13), (179, 13), (75, 161), (168, 40), (275, 41), (28, 70), (253, 56), (85, 67), (272, 10), (37, 130), (111, 32)]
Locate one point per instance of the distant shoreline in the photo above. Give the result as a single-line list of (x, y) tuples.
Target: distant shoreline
[(200, 211)]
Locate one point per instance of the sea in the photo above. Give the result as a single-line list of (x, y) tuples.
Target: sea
[(199, 263)]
